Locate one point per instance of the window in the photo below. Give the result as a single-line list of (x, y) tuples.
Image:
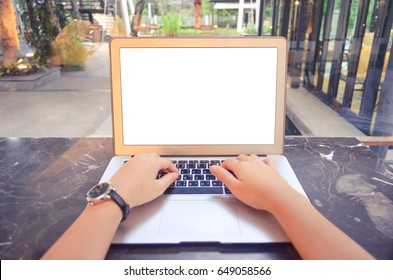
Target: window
[(338, 50)]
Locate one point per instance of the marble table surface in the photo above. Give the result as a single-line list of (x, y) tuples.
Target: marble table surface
[(43, 182)]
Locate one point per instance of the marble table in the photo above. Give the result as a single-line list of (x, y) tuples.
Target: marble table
[(43, 182)]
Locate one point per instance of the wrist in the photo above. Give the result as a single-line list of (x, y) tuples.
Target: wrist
[(105, 192), (125, 191), (286, 201), (280, 199), (109, 209)]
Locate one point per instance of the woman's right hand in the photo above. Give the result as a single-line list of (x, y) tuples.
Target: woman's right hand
[(254, 181)]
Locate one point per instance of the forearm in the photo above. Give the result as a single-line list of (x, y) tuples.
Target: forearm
[(313, 235), (90, 236)]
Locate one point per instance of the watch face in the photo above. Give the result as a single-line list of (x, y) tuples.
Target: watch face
[(99, 191)]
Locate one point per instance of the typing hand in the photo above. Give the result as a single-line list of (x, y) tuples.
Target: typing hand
[(136, 181), (252, 180)]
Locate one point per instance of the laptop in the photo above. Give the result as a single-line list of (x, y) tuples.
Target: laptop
[(199, 101)]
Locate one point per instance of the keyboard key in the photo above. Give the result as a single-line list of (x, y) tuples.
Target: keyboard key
[(181, 183), (193, 183), (210, 177), (196, 171), (199, 177), (206, 171), (205, 183), (216, 183), (187, 177)]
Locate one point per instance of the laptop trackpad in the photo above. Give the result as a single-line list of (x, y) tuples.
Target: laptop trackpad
[(195, 220)]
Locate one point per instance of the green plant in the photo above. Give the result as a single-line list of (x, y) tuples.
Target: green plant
[(42, 27), (64, 16), (171, 23), (21, 67), (250, 29), (69, 47), (267, 29)]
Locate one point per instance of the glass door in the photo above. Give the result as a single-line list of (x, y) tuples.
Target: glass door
[(330, 39), (312, 43), (330, 20)]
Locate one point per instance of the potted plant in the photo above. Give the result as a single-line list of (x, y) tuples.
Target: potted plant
[(68, 47)]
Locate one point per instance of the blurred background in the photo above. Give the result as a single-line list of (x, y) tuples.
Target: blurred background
[(54, 63)]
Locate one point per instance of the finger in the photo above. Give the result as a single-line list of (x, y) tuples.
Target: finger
[(166, 180), (271, 163), (167, 165), (242, 157), (247, 158), (223, 175), (230, 164)]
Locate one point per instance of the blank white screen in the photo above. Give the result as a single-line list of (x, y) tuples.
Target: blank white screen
[(198, 96)]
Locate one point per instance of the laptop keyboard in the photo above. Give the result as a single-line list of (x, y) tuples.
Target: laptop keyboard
[(195, 178)]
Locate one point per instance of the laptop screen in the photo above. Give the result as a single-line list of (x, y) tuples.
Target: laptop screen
[(198, 96)]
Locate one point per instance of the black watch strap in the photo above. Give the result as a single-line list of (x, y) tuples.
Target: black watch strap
[(125, 208)]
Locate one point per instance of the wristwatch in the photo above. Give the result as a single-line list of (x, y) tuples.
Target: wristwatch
[(105, 191)]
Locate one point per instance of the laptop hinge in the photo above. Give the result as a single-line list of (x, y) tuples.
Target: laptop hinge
[(185, 156)]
